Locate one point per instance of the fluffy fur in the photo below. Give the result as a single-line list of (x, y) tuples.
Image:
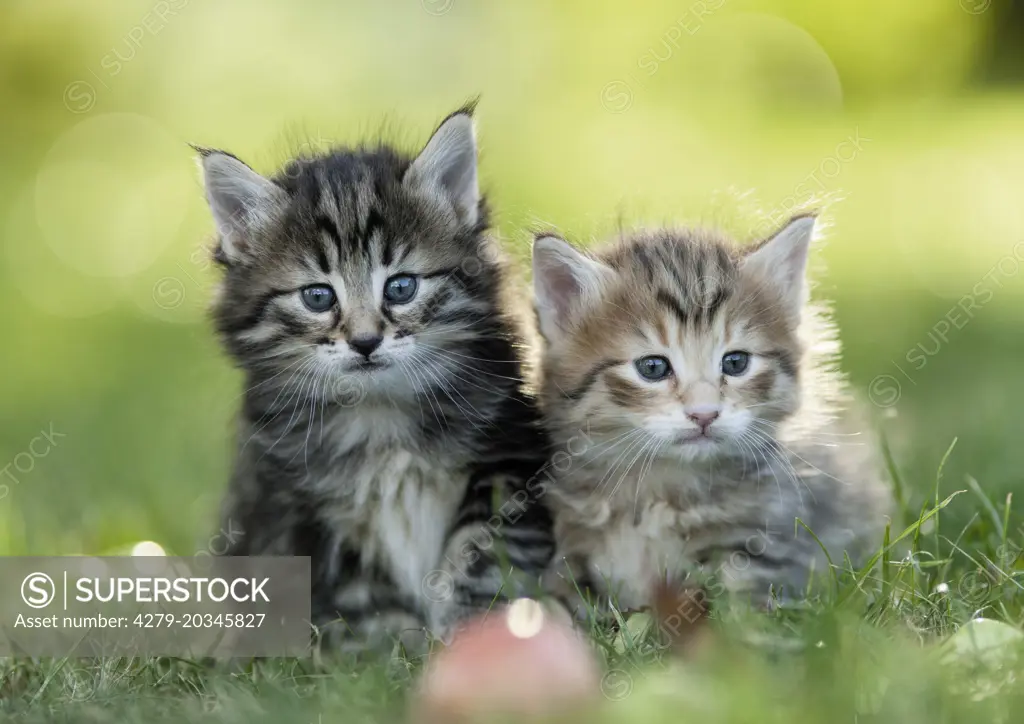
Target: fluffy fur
[(698, 470), (375, 433)]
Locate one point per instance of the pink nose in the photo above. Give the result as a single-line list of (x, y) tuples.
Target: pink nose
[(703, 418)]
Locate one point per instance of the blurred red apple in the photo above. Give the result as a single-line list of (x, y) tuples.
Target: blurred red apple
[(682, 612), (518, 660)]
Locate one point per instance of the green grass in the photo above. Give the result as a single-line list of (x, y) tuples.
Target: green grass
[(145, 402), (878, 645)]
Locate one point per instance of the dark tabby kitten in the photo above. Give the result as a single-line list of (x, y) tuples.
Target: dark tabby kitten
[(704, 381), (384, 402)]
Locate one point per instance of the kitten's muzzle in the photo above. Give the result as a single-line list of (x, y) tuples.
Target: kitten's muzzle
[(365, 345), (702, 418)]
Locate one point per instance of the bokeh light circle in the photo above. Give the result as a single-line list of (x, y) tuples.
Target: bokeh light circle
[(42, 279), (771, 61), (111, 194)]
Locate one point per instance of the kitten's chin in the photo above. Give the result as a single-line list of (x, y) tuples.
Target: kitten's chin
[(367, 382), (699, 447), (360, 368), (367, 367)]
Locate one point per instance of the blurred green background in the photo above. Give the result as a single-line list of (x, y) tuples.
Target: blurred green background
[(903, 119)]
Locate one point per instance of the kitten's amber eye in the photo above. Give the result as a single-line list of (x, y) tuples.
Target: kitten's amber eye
[(653, 368), (318, 298), (735, 363), (400, 289)]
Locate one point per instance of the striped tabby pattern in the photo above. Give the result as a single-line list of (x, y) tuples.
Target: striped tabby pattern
[(701, 376), (383, 403)]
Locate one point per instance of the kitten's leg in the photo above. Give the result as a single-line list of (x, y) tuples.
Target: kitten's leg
[(354, 610), (469, 580), (498, 550), (765, 579), (365, 615), (573, 577), (569, 582)]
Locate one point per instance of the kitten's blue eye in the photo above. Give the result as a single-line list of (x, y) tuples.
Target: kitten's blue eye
[(400, 289), (318, 298), (653, 368), (735, 363)]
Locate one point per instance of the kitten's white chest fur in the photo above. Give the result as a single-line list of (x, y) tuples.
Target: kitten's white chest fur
[(393, 503), (637, 536), (633, 554)]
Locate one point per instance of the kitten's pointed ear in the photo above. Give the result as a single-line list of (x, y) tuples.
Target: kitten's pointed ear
[(240, 200), (447, 164), (781, 260), (565, 281)]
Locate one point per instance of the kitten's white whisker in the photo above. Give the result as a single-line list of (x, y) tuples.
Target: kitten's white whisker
[(770, 423), (771, 447), (324, 372), (758, 454), (602, 448), (446, 355), (286, 388), (415, 387), (794, 454), (423, 355), (634, 441), (270, 379), (478, 359), (472, 413), (427, 389), (300, 404), (646, 440), (644, 469), (627, 438)]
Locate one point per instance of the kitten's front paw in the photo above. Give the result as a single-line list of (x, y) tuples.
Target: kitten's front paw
[(566, 583), (373, 636), (447, 623)]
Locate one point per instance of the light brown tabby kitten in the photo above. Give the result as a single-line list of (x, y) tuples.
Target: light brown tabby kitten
[(700, 377)]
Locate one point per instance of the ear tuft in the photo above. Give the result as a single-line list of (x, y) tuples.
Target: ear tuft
[(447, 165), (781, 260), (240, 200), (203, 151), (468, 108), (565, 281)]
